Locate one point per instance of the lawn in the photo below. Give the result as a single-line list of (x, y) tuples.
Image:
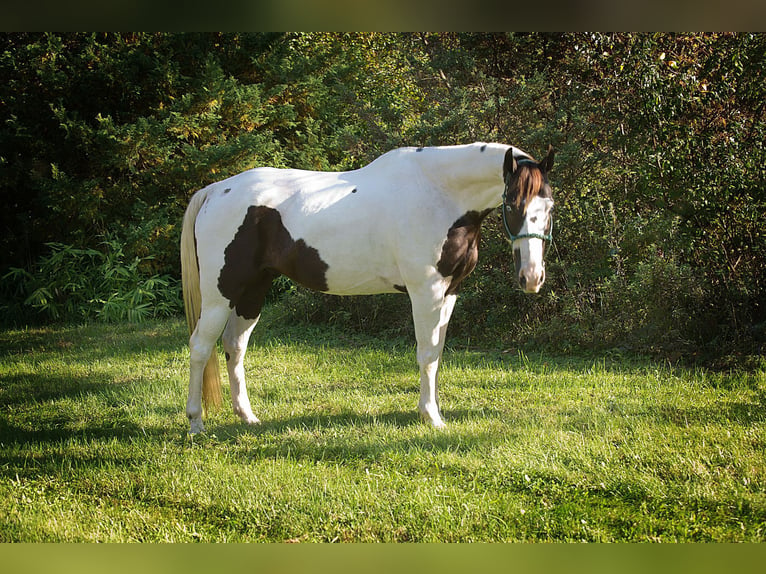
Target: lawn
[(93, 444)]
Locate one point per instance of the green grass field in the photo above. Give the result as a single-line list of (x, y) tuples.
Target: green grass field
[(93, 444)]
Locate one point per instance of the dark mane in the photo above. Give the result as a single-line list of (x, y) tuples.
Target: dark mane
[(529, 183)]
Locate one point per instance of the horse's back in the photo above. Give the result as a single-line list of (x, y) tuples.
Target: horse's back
[(355, 222)]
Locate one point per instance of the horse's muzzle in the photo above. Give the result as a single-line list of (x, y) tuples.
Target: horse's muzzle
[(531, 280)]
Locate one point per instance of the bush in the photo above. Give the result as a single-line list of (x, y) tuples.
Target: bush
[(72, 284), (659, 177), (386, 315)]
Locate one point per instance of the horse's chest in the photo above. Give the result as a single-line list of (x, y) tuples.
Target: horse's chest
[(460, 250)]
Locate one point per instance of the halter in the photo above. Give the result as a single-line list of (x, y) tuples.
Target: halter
[(506, 208)]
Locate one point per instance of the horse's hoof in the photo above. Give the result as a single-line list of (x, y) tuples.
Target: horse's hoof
[(251, 420), (196, 427), (433, 420), (247, 416)]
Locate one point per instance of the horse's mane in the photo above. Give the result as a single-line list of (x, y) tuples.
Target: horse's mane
[(530, 184)]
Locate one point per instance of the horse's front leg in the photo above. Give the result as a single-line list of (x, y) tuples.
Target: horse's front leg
[(431, 312)]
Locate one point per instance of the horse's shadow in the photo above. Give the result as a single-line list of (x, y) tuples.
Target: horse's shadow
[(320, 440)]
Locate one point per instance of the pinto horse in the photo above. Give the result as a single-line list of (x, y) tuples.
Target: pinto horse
[(408, 222)]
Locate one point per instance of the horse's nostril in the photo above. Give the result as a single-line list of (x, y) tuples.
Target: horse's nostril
[(523, 281)]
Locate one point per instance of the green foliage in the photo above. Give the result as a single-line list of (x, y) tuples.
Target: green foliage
[(72, 284), (659, 175)]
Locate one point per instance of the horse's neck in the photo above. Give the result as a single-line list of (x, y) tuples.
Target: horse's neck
[(472, 176)]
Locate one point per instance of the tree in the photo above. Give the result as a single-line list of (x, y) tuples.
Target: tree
[(659, 238)]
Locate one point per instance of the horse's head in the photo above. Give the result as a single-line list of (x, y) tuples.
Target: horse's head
[(527, 217)]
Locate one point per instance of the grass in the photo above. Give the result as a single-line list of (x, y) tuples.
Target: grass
[(93, 444)]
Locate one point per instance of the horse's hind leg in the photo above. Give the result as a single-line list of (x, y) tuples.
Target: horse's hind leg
[(235, 338), (243, 318), (201, 346)]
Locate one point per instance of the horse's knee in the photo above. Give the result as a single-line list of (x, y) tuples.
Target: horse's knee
[(232, 349), (200, 348), (428, 354), (234, 340)]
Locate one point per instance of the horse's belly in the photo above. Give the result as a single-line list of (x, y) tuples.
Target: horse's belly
[(360, 251), (344, 278), (368, 286)]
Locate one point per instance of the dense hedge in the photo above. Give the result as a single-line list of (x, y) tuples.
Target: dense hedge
[(659, 180)]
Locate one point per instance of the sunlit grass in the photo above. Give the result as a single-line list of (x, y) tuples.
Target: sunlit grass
[(93, 444)]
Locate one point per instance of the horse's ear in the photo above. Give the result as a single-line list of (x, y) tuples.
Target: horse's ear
[(509, 164), (547, 164)]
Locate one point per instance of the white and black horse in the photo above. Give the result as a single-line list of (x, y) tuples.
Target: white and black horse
[(408, 222)]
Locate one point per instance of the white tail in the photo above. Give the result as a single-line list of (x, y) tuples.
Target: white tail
[(211, 379)]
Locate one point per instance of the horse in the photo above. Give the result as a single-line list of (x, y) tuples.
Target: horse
[(408, 222)]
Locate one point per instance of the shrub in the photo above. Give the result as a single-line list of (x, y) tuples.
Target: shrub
[(73, 284)]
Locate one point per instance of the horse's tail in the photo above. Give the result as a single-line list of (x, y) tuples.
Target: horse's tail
[(211, 379)]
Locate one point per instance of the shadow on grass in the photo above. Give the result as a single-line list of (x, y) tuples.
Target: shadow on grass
[(52, 423), (93, 342), (348, 437), (347, 420), (47, 409), (58, 430), (36, 388), (730, 413)]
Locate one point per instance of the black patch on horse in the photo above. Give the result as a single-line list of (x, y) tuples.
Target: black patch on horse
[(262, 249), (460, 251)]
